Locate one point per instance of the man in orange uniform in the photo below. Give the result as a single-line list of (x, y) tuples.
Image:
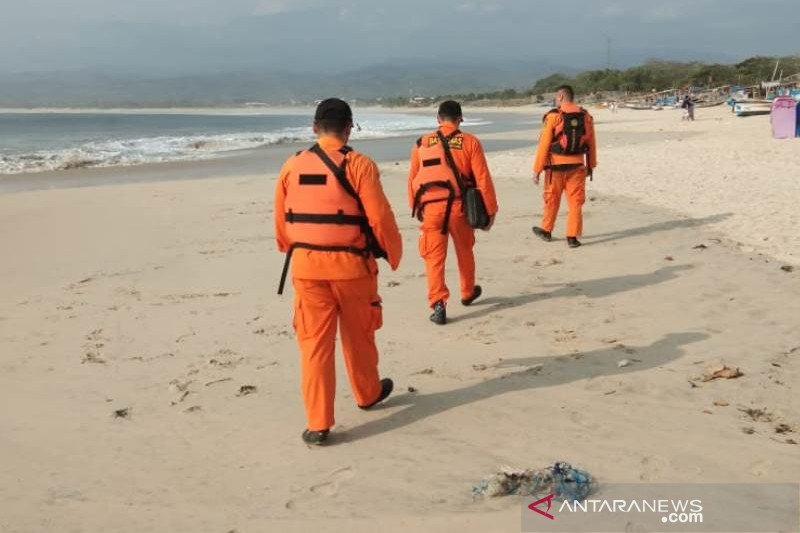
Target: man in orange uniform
[(434, 194), (567, 153), (333, 219)]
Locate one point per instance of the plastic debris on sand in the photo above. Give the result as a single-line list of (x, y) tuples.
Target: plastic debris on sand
[(562, 479)]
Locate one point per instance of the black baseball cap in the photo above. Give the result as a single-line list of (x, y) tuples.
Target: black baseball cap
[(450, 108), (333, 109)]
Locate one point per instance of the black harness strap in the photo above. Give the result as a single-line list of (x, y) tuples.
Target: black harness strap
[(448, 155), (339, 172), (419, 205), (317, 248), (339, 218)]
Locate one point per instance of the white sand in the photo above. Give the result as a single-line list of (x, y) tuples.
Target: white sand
[(131, 296)]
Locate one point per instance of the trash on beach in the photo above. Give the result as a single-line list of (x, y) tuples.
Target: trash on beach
[(758, 415), (622, 363), (479, 368), (669, 258), (721, 403), (412, 390), (787, 268), (748, 431), (724, 372), (122, 413), (244, 390), (783, 428), (208, 384), (423, 372), (699, 247), (393, 284), (562, 479)]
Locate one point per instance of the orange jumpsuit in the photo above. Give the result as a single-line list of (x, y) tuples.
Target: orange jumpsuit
[(341, 287), (571, 181), (471, 161)]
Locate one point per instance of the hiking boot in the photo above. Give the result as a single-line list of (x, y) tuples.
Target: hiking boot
[(439, 315), (387, 386), (476, 293), (546, 236), (316, 438), (573, 242)]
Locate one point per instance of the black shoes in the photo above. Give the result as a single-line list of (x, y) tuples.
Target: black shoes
[(319, 438), (439, 315), (387, 386), (316, 438), (546, 236), (476, 293)]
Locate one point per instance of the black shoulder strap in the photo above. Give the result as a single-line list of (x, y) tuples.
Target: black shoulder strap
[(554, 110), (341, 176), (419, 142), (339, 172), (448, 155)]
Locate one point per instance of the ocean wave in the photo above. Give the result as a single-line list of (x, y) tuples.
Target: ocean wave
[(162, 149)]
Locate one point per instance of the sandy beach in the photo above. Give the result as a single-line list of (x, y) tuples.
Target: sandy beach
[(149, 375)]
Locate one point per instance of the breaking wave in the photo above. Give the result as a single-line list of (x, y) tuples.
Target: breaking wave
[(122, 152)]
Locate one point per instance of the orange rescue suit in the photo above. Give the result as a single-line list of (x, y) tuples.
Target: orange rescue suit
[(439, 220), (333, 286), (565, 174)]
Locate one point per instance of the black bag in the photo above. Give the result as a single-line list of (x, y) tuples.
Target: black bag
[(471, 198)]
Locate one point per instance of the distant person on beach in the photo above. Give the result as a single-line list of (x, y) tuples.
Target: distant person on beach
[(332, 214), (688, 106), (567, 153), (443, 163)]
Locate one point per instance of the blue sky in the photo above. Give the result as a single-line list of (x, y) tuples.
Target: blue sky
[(199, 36)]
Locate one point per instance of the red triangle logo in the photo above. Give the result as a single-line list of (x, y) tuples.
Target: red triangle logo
[(549, 500)]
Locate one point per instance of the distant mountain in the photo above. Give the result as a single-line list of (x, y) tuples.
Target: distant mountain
[(97, 89)]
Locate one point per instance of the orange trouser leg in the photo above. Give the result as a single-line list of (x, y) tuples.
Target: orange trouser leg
[(433, 249), (464, 241), (315, 316), (575, 189), (360, 314), (553, 187), (318, 306)]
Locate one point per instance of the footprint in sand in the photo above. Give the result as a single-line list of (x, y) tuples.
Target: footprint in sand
[(653, 466), (327, 488), (330, 487)]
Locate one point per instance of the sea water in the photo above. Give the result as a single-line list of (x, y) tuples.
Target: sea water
[(36, 142)]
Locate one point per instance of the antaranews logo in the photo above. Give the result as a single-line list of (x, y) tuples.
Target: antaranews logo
[(668, 508), (671, 511)]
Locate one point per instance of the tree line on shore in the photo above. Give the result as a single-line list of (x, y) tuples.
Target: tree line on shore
[(655, 75)]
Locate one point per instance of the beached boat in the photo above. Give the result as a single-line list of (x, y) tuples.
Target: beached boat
[(752, 107)]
